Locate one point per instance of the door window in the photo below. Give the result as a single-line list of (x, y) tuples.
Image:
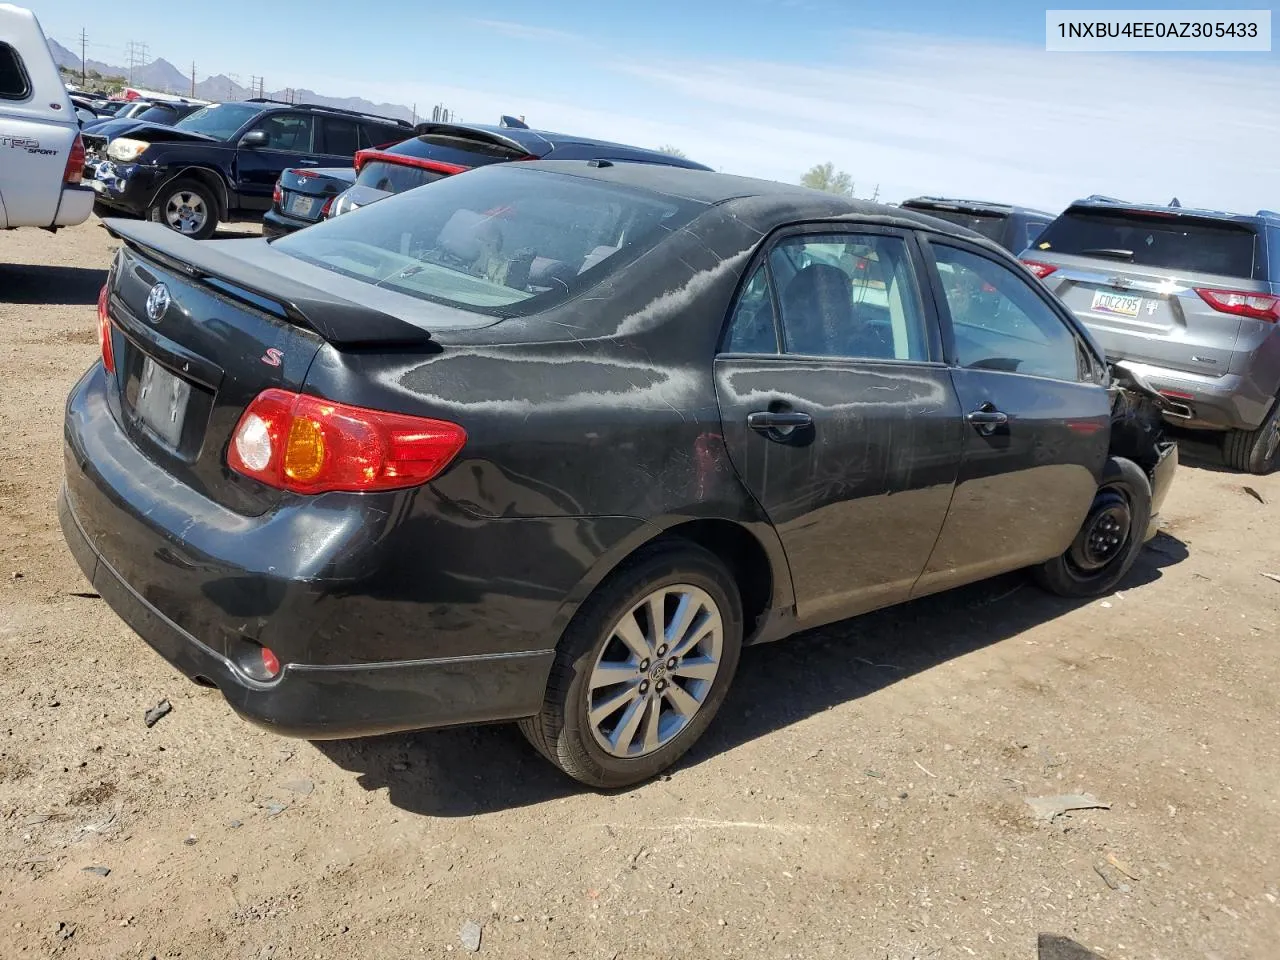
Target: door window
[(378, 135), (753, 328), (341, 137), (849, 295), (288, 131), (14, 84), (1000, 322)]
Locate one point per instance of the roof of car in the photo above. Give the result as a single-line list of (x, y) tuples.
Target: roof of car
[(705, 186), (540, 142), (985, 206), (1108, 203)]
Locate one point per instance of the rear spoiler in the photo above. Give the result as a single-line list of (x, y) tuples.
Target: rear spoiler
[(341, 322), (462, 131)]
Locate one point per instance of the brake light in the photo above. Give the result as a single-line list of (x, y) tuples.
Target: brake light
[(1041, 270), (297, 442), (74, 171), (328, 205), (277, 195), (1259, 306), (104, 332)]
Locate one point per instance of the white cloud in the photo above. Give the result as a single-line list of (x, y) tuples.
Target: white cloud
[(925, 115)]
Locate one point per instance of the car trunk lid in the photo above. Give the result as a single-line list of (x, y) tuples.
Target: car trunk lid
[(199, 331), (307, 193)]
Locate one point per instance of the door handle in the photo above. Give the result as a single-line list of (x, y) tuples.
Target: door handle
[(986, 418), (778, 423)]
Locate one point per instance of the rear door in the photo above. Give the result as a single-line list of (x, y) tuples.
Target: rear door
[(289, 143), (839, 414), (339, 141), (1131, 277), (1036, 418)]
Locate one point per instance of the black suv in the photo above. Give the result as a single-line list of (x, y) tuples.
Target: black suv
[(221, 163), (1014, 228)]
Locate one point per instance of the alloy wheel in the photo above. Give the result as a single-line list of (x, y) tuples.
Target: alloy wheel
[(185, 212), (655, 670)]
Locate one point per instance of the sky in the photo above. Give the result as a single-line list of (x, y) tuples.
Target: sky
[(941, 97)]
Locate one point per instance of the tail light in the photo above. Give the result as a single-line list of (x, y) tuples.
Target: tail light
[(277, 195), (104, 332), (361, 157), (328, 205), (1259, 306), (293, 441), (1041, 270), (75, 163)]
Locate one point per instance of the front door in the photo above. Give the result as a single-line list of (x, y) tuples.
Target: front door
[(839, 415), (1036, 419), (288, 144)]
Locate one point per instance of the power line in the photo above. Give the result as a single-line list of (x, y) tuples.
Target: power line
[(137, 53)]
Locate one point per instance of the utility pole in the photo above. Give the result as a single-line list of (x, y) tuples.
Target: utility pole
[(193, 79), (255, 87), (137, 52), (876, 194), (84, 70)]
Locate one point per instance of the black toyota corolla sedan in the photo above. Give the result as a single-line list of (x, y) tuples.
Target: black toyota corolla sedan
[(552, 441)]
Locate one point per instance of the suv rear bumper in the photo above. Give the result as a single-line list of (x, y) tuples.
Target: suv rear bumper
[(1229, 402)]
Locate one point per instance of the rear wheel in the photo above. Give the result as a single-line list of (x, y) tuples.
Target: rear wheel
[(642, 669), (188, 207), (1109, 540), (1254, 450)]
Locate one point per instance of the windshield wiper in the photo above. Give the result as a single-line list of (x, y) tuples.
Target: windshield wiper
[(1112, 252)]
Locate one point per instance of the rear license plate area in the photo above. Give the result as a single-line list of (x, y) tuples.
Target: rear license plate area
[(1116, 304), (161, 402), (301, 206)]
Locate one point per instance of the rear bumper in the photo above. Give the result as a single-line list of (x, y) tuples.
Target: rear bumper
[(373, 636), (1229, 402), (276, 224), (75, 207), (325, 701)]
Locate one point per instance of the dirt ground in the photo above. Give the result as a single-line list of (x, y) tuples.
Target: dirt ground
[(862, 794)]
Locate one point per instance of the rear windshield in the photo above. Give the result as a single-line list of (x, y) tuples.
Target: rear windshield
[(1172, 241), (159, 114), (395, 177), (504, 241), (990, 225)]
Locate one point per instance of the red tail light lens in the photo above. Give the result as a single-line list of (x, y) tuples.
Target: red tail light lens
[(1243, 304), (1041, 270), (301, 443), (75, 163), (328, 205), (104, 332), (277, 195)]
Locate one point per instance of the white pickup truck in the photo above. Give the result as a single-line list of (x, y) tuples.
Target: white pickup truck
[(41, 153)]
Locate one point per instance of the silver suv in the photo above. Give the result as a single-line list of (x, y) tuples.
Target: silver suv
[(1190, 299)]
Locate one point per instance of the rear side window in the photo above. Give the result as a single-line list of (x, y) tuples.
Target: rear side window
[(381, 135), (849, 295), (395, 177), (503, 241), (14, 84), (341, 137), (753, 326), (1151, 240)]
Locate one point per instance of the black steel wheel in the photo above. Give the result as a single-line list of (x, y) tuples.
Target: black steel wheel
[(1108, 541)]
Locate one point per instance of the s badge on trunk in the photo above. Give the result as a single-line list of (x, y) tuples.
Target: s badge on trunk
[(157, 302)]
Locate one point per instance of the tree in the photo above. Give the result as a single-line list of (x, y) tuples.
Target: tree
[(671, 151), (826, 177)]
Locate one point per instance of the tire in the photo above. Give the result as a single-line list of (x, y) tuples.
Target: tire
[(1254, 451), (564, 731), (187, 207), (1091, 567)]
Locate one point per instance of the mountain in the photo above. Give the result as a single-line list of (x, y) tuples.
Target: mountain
[(163, 76)]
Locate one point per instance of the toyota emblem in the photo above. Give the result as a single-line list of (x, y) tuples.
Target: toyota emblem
[(157, 302)]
